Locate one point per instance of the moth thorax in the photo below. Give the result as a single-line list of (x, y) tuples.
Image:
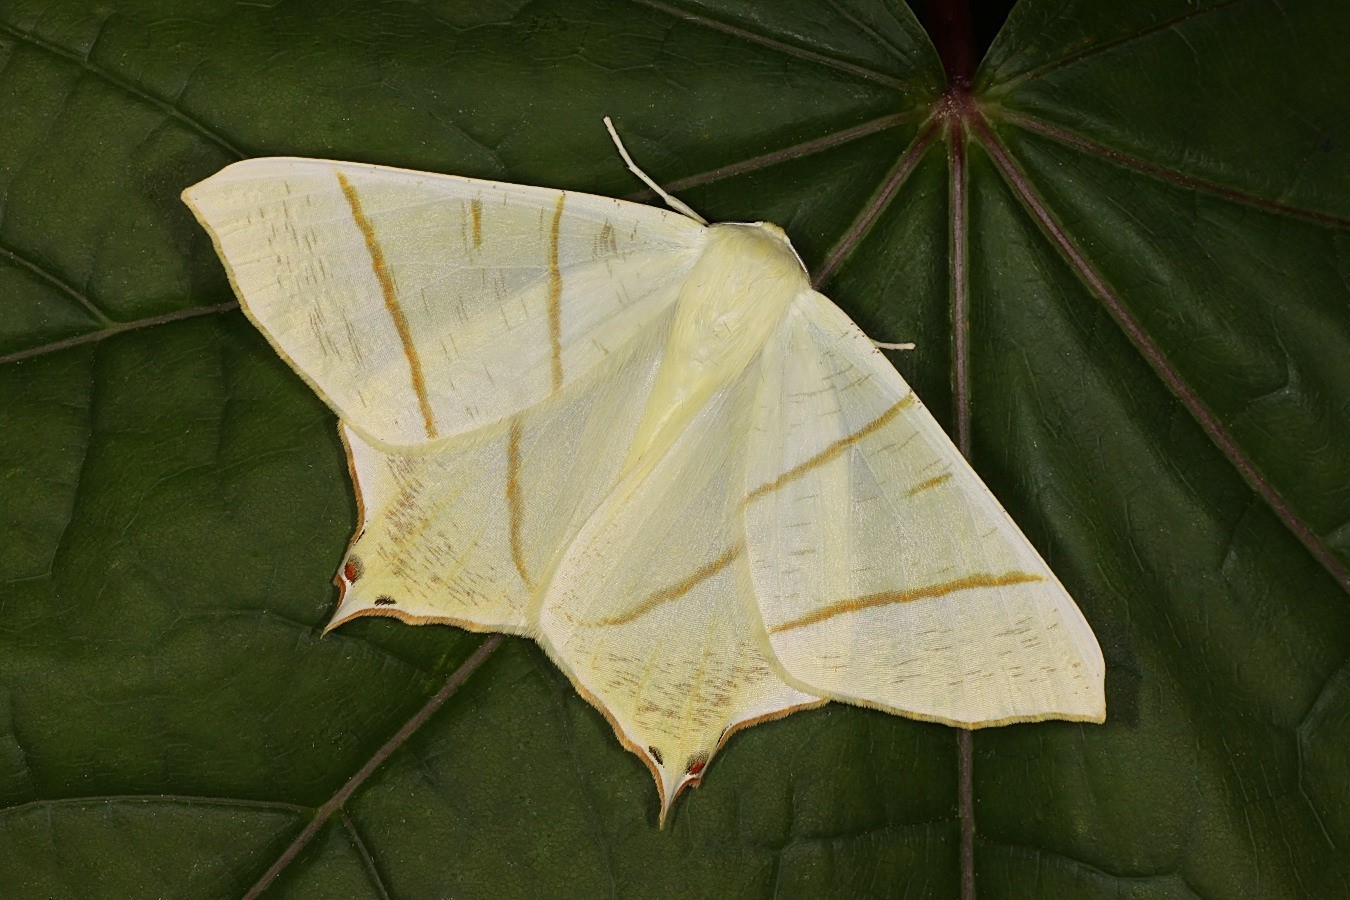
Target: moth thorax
[(730, 305), (762, 249), (737, 293)]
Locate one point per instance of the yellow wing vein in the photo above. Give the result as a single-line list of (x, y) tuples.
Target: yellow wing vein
[(555, 296), (930, 483), (829, 452), (674, 591), (476, 215), (513, 501), (884, 598), (391, 303)]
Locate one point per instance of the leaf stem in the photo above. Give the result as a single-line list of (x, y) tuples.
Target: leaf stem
[(965, 749), (949, 25), (960, 279), (958, 108), (879, 201)]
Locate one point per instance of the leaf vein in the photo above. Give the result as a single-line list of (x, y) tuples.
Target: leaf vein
[(366, 858), (164, 106), (119, 328), (336, 803), (1152, 353), (773, 43), (1165, 173), (1089, 52)]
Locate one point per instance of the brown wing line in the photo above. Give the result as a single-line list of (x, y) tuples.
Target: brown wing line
[(513, 501), (831, 451), (674, 592), (555, 297), (885, 598), (391, 303)]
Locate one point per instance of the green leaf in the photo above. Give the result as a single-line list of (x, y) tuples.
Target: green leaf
[(1137, 219)]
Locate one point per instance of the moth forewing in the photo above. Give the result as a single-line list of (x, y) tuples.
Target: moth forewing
[(424, 306)]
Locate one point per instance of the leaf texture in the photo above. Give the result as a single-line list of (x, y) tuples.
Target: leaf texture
[(1122, 255)]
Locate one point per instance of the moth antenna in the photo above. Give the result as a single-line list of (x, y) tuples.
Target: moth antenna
[(672, 201), (907, 345)]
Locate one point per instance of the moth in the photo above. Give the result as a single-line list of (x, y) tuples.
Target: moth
[(647, 443)]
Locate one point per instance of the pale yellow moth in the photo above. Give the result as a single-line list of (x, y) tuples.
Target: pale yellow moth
[(645, 442)]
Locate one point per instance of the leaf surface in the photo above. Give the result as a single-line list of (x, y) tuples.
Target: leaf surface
[(1123, 255)]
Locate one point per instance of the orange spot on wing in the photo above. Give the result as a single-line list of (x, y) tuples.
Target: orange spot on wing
[(353, 569)]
